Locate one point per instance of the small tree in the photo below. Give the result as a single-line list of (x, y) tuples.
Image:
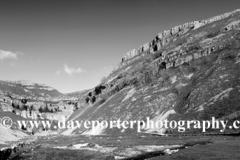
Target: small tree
[(42, 109), (24, 101)]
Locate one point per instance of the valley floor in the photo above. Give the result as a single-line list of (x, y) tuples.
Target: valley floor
[(134, 147)]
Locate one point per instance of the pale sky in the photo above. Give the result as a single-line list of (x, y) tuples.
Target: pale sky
[(70, 45)]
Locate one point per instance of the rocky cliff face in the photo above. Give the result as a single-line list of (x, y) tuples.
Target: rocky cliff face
[(193, 73), (168, 36), (30, 90), (42, 101)]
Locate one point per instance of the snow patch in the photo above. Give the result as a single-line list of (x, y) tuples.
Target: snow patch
[(79, 146), (169, 152), (221, 95), (200, 108), (189, 76), (161, 117), (173, 79), (129, 94)]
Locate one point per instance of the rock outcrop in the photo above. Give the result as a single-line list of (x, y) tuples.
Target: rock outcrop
[(163, 38)]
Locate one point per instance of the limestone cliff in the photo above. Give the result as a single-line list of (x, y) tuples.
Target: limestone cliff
[(168, 36)]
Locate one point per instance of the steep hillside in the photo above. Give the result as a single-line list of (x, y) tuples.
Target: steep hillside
[(188, 72)]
